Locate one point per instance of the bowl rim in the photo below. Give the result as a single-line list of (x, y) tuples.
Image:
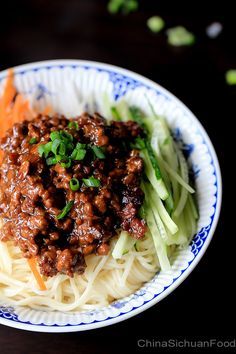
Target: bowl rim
[(133, 312)]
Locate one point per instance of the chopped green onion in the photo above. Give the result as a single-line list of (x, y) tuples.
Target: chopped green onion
[(62, 149), (80, 154), (59, 158), (33, 141), (74, 184), (45, 149), (91, 182), (65, 210), (51, 161), (55, 135), (155, 24), (98, 152), (41, 150), (73, 125), (80, 146), (66, 164), (180, 36), (55, 145), (66, 136), (230, 77)]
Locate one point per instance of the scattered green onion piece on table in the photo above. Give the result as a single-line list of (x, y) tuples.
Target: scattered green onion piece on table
[(74, 184), (126, 6), (65, 210), (155, 24), (180, 36), (33, 141), (230, 77), (91, 182)]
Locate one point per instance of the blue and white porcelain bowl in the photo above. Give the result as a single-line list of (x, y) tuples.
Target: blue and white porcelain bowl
[(70, 86)]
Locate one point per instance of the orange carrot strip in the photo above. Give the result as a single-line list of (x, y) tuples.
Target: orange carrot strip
[(12, 112), (38, 278), (47, 110)]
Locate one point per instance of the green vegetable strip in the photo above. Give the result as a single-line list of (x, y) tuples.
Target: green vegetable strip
[(177, 177), (184, 192), (123, 245), (159, 222), (170, 224), (123, 111), (137, 116), (157, 184), (159, 244), (193, 207), (181, 237), (115, 114), (150, 160)]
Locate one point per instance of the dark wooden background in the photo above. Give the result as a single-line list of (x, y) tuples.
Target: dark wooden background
[(203, 307)]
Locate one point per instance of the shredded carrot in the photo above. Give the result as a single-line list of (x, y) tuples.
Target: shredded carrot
[(47, 110), (15, 108), (33, 266)]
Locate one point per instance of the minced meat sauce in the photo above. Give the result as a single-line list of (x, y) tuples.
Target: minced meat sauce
[(60, 209)]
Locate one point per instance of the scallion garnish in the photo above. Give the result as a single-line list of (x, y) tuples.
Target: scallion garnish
[(80, 154), (66, 164), (51, 161), (74, 184), (98, 152), (91, 182), (44, 149), (73, 125), (55, 135), (65, 210), (62, 149), (55, 145), (47, 148), (33, 141), (66, 136)]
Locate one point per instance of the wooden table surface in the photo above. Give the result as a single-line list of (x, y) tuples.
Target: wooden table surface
[(202, 306)]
